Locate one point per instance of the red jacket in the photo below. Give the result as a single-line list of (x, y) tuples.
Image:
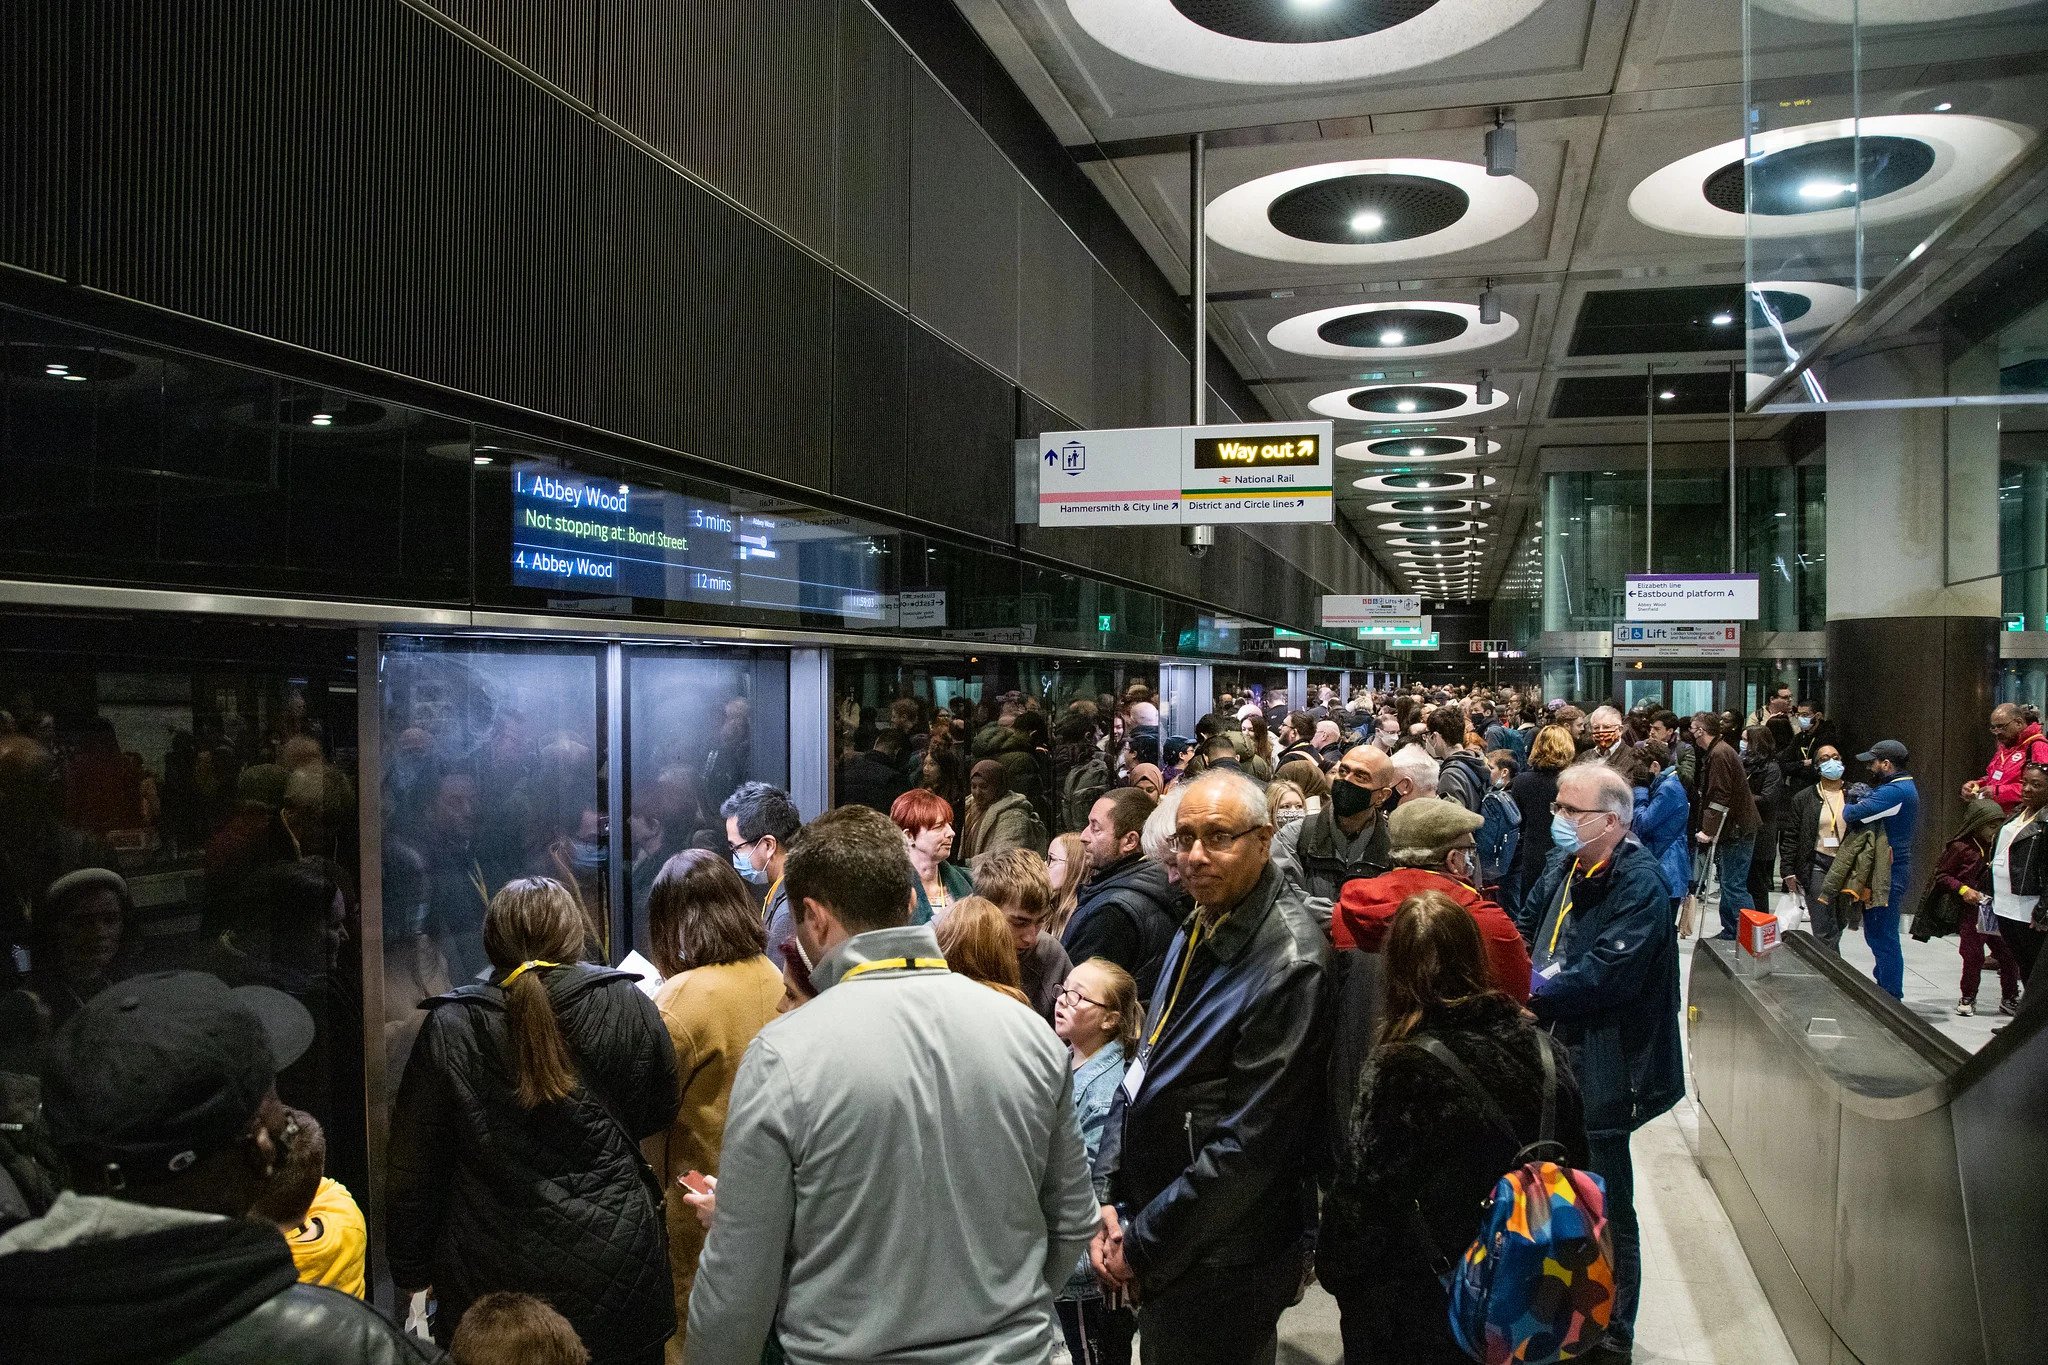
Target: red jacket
[(2002, 776), (1365, 911)]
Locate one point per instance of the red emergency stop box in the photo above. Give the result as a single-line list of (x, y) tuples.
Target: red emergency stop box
[(1758, 932)]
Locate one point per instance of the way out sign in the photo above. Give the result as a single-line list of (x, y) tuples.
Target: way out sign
[(1183, 476)]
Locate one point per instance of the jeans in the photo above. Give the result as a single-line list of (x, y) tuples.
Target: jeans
[(1731, 862), (1824, 924), (1096, 1334), (1220, 1315), (1881, 932), (1611, 1162)]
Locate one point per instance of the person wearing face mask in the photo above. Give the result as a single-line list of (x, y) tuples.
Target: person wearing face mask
[(1344, 840), (1808, 839), (1604, 954), (1894, 804), (1799, 760), (760, 820)]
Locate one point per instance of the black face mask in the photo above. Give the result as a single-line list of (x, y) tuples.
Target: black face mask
[(1349, 800)]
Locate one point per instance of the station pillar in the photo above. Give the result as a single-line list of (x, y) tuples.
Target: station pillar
[(1913, 592)]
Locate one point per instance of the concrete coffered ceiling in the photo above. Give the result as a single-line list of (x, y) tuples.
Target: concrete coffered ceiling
[(1345, 178)]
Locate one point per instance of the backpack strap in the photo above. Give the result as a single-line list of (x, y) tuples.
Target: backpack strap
[(1487, 1105)]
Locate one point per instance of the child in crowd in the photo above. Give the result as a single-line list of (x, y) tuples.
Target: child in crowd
[(515, 1329), (318, 1216), (1098, 1016)]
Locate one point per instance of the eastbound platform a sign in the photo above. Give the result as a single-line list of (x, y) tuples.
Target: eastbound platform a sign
[(1185, 476), (1384, 609), (1692, 597), (1678, 640)]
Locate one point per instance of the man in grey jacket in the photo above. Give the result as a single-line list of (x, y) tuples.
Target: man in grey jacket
[(1344, 840), (902, 1171)]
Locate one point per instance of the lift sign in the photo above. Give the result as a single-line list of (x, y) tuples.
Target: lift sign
[(1223, 452)]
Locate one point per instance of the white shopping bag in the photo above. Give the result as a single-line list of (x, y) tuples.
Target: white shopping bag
[(1790, 908), (416, 1317)]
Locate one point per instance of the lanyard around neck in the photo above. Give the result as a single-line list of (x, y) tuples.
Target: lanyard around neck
[(898, 964), (1565, 911)]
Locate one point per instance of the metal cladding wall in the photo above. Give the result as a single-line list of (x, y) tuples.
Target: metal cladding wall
[(765, 236)]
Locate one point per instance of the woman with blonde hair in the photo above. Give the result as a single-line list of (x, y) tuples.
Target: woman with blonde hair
[(975, 937), (1098, 1017), (1068, 864), (517, 1133), (721, 989)]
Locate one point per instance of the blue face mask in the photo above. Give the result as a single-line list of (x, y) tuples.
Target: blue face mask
[(748, 870), (1564, 832), (1832, 769)]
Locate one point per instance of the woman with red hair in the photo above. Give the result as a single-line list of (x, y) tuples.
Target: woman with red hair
[(926, 819)]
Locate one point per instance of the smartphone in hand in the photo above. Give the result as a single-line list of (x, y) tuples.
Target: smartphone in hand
[(694, 1182)]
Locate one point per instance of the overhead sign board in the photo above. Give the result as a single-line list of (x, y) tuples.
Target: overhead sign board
[(1398, 626), (1692, 597), (1389, 608), (1185, 476), (1415, 642), (1487, 646), (1678, 640)]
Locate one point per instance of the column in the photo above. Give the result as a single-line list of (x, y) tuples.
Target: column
[(1912, 508)]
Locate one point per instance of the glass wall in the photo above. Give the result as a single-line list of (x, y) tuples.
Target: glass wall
[(209, 769), (1594, 533)]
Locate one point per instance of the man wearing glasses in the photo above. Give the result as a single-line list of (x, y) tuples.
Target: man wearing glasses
[(1603, 955), (1344, 840), (1209, 1146)]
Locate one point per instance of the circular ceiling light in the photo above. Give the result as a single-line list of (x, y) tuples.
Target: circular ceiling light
[(1363, 212), (1425, 481), (1809, 179), (1406, 400), (1415, 449), (1294, 42), (1429, 527), (1428, 507), (1436, 542), (1422, 329), (1796, 306)]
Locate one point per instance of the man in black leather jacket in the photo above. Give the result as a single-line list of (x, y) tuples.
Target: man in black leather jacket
[(1211, 1142), (161, 1092), (1126, 912)]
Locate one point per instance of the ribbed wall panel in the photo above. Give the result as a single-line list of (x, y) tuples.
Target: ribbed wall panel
[(557, 39), (871, 228), (963, 465), (709, 334), (870, 398), (963, 229), (739, 93), (36, 56)]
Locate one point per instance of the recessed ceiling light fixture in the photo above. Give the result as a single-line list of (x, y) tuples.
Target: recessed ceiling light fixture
[(480, 459), (1723, 319), (321, 419), (1943, 107), (1825, 189), (1405, 405), (1364, 224), (56, 369), (1667, 395), (1392, 338)]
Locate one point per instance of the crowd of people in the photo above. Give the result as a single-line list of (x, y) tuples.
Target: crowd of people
[(1058, 1027)]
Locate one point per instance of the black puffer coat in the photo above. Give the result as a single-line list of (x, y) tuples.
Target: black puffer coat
[(1419, 1135), (487, 1196)]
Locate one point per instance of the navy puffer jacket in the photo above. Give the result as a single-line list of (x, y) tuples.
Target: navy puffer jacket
[(486, 1195)]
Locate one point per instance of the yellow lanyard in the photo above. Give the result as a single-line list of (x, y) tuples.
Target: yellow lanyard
[(476, 879), (1565, 912), (898, 964), (1187, 958)]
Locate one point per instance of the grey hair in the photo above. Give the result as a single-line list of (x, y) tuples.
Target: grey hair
[(1157, 835), (1413, 762), (1612, 792), (1246, 788), (1604, 715)]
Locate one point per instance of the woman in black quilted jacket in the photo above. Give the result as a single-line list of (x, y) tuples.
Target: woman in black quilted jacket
[(515, 1159), (1418, 1135)]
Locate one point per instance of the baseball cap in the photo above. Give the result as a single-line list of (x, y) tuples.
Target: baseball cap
[(156, 1071), (1885, 748)]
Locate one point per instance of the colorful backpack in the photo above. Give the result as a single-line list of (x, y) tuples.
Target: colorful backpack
[(1537, 1284)]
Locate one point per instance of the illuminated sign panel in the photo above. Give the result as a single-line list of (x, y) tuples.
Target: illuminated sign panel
[(1236, 452)]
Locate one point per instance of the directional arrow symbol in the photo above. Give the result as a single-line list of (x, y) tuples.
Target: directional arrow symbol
[(1052, 457)]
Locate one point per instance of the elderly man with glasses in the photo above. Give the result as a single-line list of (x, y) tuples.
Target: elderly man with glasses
[(1603, 954), (1211, 1142)]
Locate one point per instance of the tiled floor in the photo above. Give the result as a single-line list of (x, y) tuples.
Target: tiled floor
[(1933, 981)]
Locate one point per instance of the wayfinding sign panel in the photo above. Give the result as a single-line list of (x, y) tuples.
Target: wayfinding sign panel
[(1185, 476), (1678, 640), (1397, 628), (1384, 609), (1692, 597)]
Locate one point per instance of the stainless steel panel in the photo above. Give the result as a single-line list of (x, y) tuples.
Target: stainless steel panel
[(1803, 1319), (810, 731), (2000, 1120)]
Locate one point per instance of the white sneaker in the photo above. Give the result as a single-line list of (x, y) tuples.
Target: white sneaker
[(1966, 1006)]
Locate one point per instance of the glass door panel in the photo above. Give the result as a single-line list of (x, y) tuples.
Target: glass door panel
[(1690, 695)]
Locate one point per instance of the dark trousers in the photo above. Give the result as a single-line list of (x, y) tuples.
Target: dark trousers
[(1096, 1334), (1612, 1163), (2025, 941), (1974, 945), (1398, 1322), (1763, 861), (1823, 922), (1228, 1315)]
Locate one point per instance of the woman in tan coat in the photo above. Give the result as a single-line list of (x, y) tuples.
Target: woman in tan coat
[(721, 988)]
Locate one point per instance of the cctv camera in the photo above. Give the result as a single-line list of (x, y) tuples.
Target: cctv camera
[(1196, 540)]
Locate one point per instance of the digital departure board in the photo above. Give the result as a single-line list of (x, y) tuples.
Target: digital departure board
[(580, 533)]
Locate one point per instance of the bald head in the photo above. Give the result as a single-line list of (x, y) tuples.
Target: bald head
[(1223, 832), (1367, 765)]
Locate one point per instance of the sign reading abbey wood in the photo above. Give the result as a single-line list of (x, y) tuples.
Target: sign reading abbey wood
[(1185, 476)]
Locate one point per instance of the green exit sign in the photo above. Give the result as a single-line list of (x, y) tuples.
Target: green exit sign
[(1105, 623)]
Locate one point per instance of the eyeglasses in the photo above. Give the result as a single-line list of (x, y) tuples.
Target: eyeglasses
[(1560, 808), (1068, 996), (1219, 841), (741, 848)]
